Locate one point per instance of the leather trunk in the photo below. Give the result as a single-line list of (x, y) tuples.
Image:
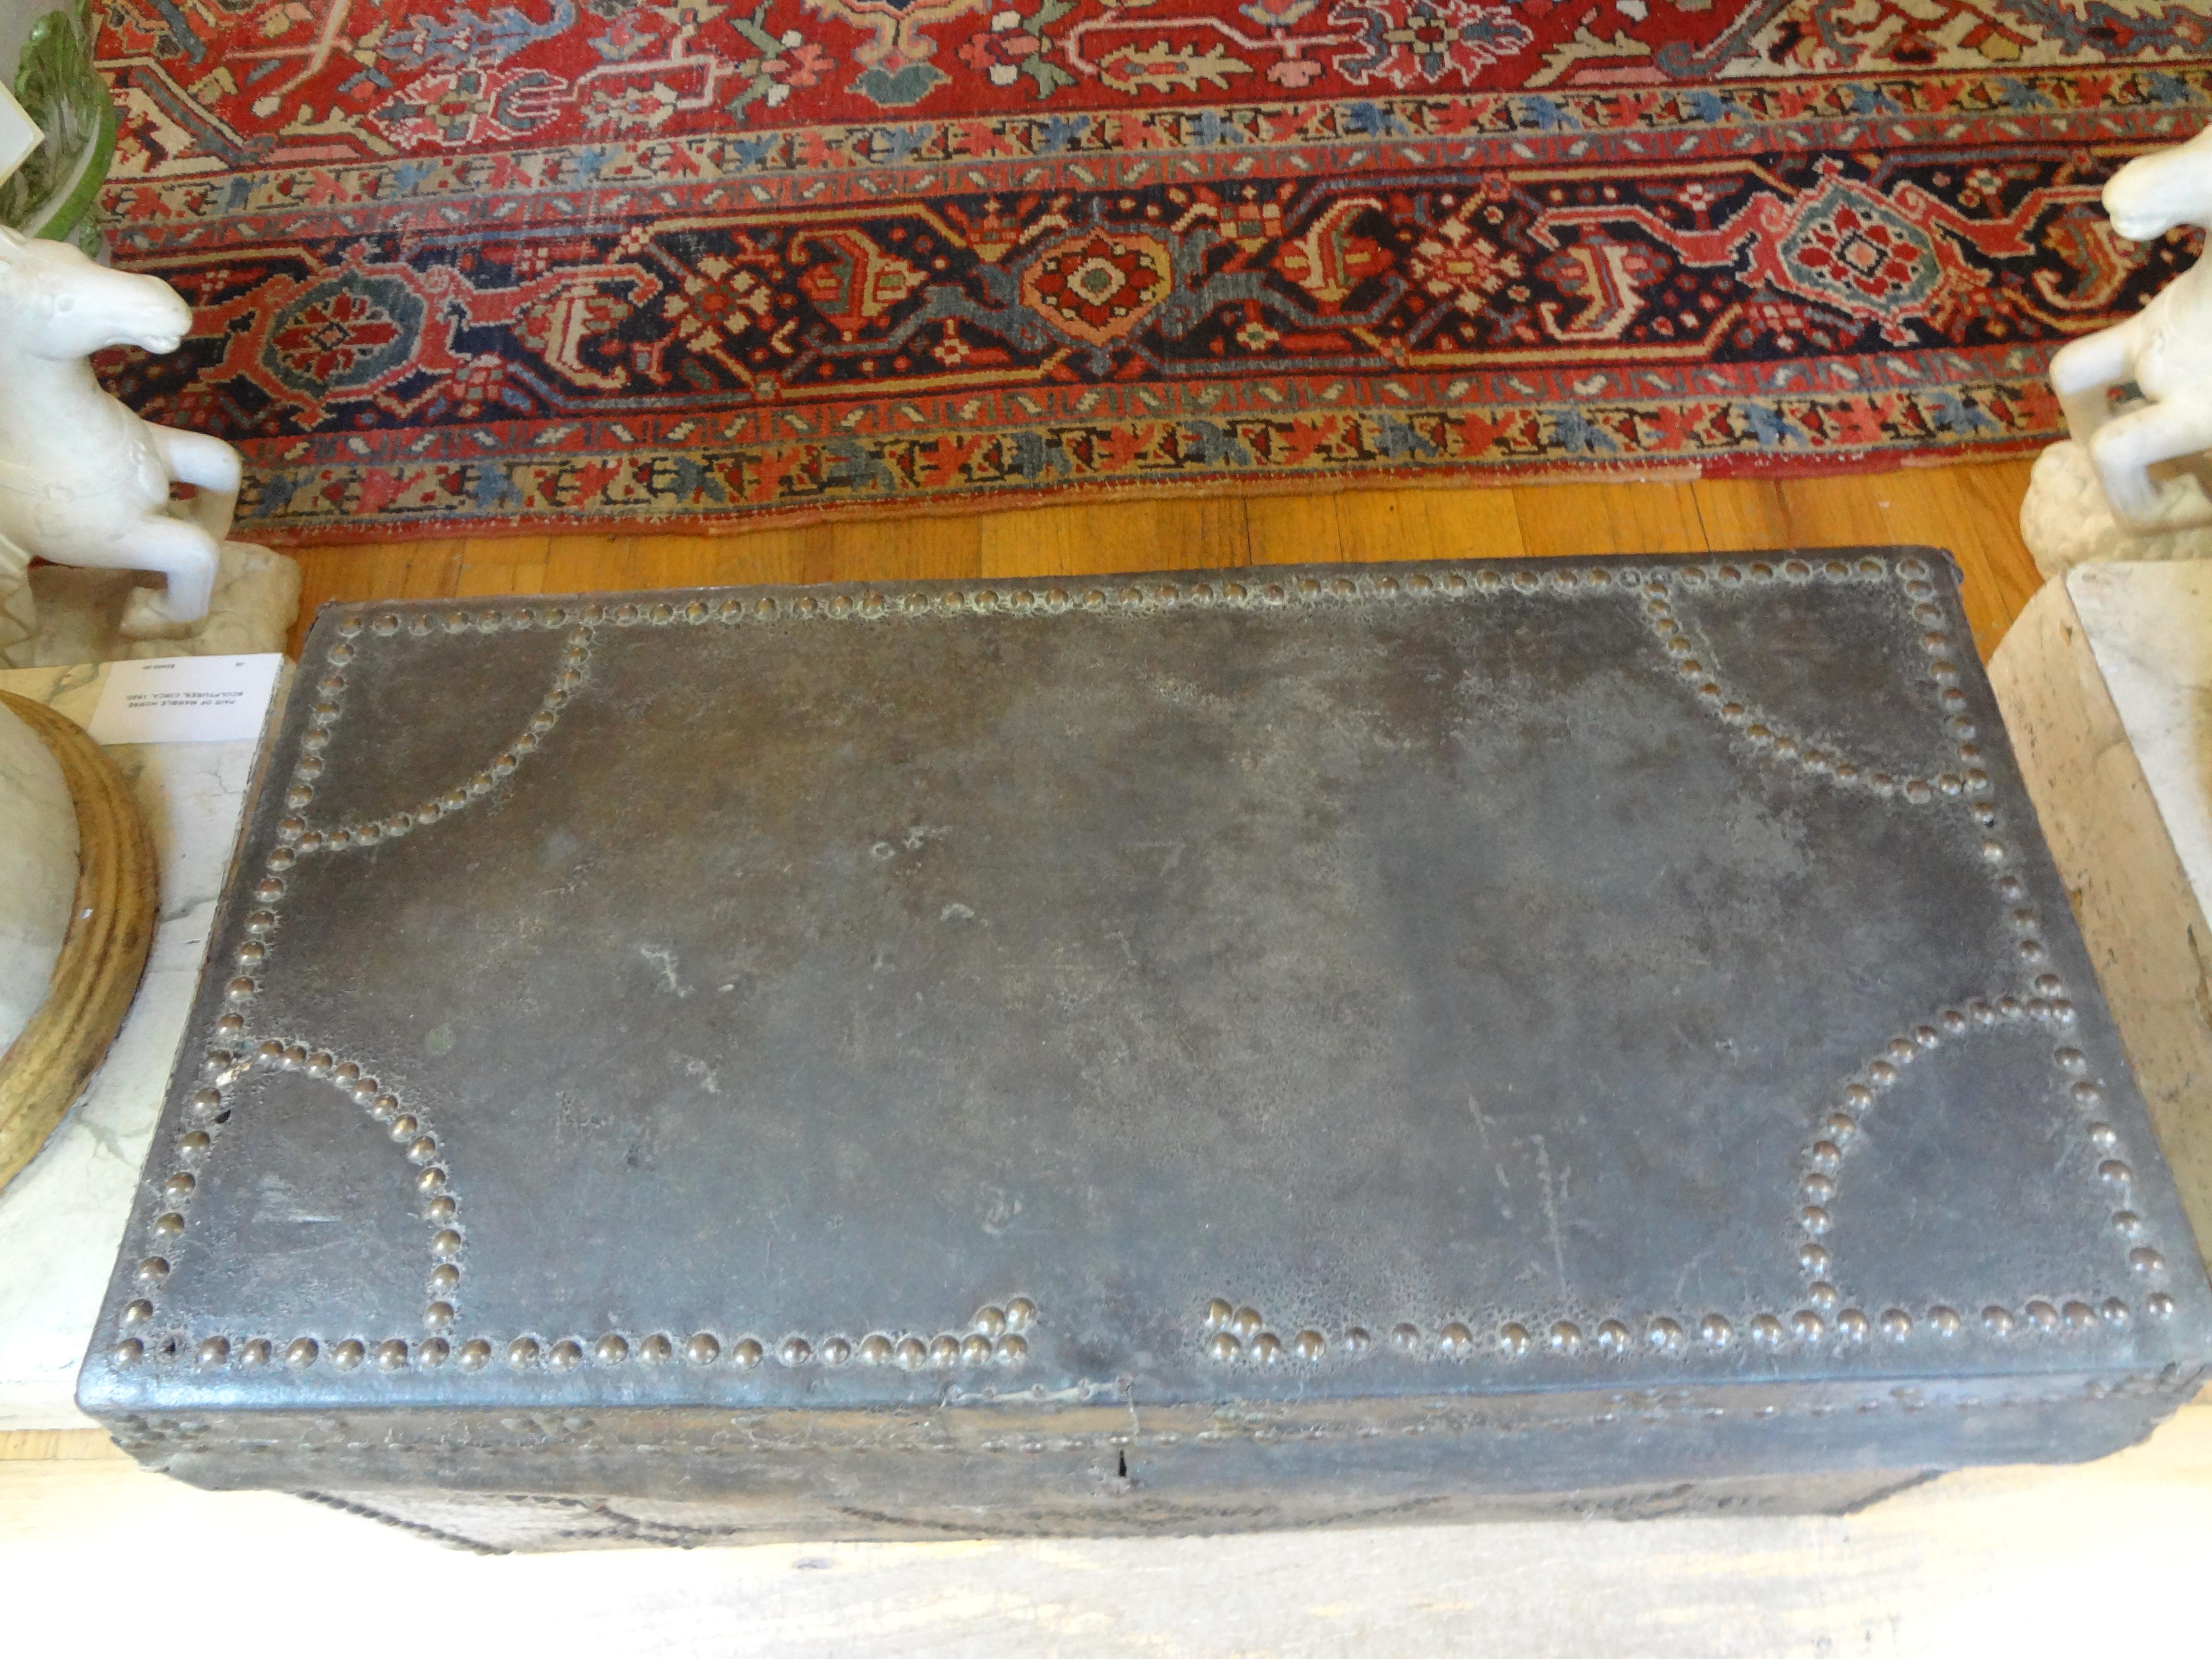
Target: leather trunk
[(1184, 1052)]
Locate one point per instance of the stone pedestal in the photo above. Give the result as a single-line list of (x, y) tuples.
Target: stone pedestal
[(2106, 682), (61, 1217)]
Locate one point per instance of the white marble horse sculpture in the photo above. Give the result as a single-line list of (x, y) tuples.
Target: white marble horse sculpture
[(82, 480), (2144, 459)]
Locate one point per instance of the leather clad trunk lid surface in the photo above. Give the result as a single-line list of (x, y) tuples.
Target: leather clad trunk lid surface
[(1208, 1051)]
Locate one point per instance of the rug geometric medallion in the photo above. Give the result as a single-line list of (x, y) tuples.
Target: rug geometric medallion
[(459, 265)]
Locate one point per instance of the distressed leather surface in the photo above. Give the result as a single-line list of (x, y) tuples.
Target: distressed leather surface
[(1454, 971)]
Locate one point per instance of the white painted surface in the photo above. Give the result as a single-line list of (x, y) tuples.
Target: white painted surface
[(62, 1218)]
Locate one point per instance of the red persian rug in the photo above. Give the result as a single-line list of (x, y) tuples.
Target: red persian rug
[(460, 263)]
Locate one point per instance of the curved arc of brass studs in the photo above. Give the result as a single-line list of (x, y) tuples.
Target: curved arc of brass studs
[(1232, 1334), (298, 836), (2045, 1011), (1698, 666), (208, 1109)]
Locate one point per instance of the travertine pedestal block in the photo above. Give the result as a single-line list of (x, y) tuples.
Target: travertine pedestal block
[(2104, 683)]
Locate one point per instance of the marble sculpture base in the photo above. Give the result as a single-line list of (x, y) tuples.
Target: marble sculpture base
[(2065, 522), (108, 616), (2106, 683)]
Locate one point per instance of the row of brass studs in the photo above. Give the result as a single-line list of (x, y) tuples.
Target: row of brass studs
[(1257, 591), (1232, 1336), (993, 1337)]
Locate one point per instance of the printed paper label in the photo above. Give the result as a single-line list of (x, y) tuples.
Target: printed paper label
[(185, 700)]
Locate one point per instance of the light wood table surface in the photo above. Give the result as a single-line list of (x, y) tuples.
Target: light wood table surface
[(2104, 1559)]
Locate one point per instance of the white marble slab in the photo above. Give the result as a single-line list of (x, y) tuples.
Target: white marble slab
[(62, 1218), (2105, 682), (2150, 629)]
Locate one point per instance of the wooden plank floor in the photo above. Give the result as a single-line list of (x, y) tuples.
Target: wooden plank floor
[(1971, 510)]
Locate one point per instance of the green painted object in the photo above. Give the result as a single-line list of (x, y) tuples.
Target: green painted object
[(52, 195)]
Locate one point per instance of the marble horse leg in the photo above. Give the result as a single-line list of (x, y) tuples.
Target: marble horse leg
[(181, 550), (210, 466), (2126, 447), (2085, 370)]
